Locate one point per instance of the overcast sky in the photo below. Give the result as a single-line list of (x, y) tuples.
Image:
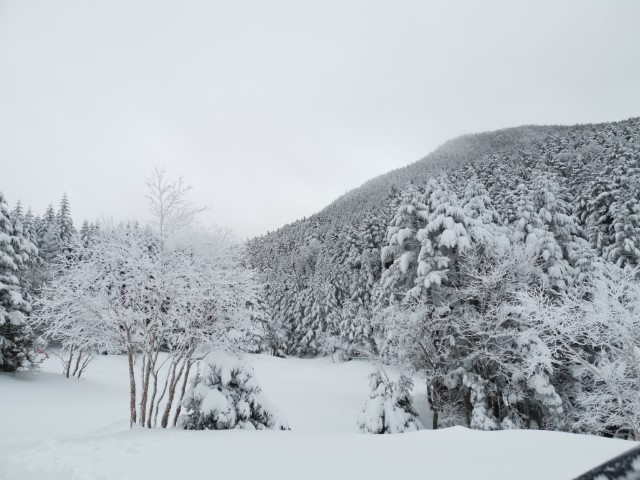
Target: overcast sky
[(271, 109)]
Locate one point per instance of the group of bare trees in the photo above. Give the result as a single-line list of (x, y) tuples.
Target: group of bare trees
[(164, 295)]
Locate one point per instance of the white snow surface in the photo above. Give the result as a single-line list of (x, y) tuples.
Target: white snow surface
[(56, 428)]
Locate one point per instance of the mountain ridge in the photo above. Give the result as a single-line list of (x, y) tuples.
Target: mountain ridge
[(499, 140)]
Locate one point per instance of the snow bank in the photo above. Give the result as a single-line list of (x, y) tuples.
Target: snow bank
[(67, 429)]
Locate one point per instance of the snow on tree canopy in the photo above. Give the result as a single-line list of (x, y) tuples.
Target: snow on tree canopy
[(16, 338), (458, 236), (225, 394), (388, 409)]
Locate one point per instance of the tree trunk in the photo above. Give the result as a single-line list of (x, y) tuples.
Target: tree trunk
[(67, 364), (153, 397), (164, 390), (132, 386), (86, 361), (172, 390), (184, 389), (146, 374), (467, 406), (75, 370), (172, 367), (154, 374), (434, 404)]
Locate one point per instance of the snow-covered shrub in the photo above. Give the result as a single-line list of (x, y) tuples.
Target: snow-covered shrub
[(388, 409), (225, 394)]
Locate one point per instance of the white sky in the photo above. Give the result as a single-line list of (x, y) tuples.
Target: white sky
[(271, 109)]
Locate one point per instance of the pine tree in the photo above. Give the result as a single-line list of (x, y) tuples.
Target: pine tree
[(624, 243), (452, 228), (16, 338), (225, 394), (608, 209), (29, 227), (66, 230), (16, 214), (49, 236), (531, 229), (400, 254), (388, 409)]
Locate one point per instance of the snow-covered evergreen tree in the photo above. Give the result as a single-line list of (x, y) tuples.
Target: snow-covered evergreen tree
[(85, 232), (388, 409), (400, 254), (608, 208), (445, 235), (49, 236), (225, 394), (17, 215), (16, 338), (66, 230), (531, 228), (29, 227)]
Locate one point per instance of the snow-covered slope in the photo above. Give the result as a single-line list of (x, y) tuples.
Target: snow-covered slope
[(57, 428)]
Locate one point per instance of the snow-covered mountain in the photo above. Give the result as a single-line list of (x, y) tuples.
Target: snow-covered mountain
[(452, 250), (583, 161)]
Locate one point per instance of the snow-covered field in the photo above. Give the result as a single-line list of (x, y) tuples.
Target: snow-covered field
[(56, 428)]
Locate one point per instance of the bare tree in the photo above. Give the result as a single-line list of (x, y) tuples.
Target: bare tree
[(186, 317), (97, 301), (164, 298), (168, 203), (114, 295)]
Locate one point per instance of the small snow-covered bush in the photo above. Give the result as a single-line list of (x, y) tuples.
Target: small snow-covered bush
[(388, 409), (225, 394)]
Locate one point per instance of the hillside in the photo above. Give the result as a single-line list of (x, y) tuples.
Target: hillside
[(449, 156), (576, 155), (445, 248)]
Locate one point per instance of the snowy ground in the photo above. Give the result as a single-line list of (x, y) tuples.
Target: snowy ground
[(56, 428)]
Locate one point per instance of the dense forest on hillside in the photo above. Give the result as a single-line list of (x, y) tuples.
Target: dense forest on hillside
[(501, 268)]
